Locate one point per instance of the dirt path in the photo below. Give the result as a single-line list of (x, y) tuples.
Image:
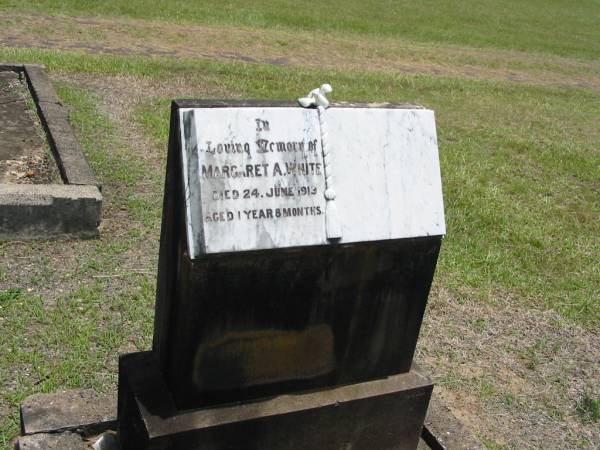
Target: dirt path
[(297, 49)]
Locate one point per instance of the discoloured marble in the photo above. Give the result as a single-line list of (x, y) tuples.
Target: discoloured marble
[(249, 285), (254, 176)]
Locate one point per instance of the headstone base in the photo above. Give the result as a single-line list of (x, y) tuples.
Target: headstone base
[(383, 414)]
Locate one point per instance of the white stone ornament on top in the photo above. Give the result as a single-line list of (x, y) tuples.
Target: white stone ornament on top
[(317, 97)]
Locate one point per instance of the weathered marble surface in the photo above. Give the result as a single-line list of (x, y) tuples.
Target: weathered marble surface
[(266, 190)]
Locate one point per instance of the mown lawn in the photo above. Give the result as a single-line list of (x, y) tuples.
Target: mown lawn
[(521, 176), (546, 26)]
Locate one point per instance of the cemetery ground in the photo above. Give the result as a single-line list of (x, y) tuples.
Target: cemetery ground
[(511, 329)]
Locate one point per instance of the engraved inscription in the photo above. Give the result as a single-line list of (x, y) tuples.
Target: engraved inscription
[(254, 177), (262, 125), (270, 178)]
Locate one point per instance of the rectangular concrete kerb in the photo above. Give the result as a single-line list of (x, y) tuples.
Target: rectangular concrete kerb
[(39, 84), (73, 166), (30, 211), (71, 161), (47, 211)]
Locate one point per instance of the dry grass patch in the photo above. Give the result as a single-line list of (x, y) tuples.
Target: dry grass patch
[(517, 375)]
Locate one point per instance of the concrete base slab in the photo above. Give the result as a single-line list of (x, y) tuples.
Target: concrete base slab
[(45, 411), (83, 410), (46, 441), (380, 414)]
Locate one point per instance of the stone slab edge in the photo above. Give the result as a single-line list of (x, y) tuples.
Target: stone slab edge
[(88, 413), (34, 211), (11, 67), (70, 159), (56, 441), (81, 410)]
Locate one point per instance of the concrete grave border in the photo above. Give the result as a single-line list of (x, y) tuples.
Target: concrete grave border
[(41, 211)]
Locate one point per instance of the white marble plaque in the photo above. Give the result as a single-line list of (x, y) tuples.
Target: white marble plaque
[(254, 177)]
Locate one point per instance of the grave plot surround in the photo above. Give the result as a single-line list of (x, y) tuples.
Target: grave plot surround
[(253, 299), (72, 209)]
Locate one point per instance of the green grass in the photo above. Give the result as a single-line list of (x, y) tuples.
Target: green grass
[(546, 26), (72, 342), (520, 167), (491, 445), (520, 171), (118, 166), (588, 408), (69, 345)]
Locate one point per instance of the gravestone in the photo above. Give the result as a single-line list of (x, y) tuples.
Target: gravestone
[(298, 246)]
